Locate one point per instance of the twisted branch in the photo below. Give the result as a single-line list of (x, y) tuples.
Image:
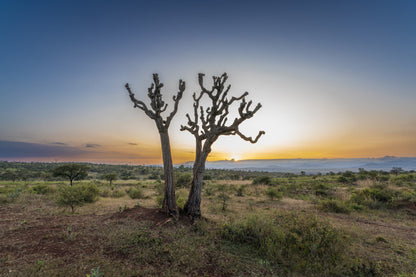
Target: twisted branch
[(158, 106), (214, 118)]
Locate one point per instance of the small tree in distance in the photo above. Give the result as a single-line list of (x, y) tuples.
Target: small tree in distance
[(71, 171), (158, 106), (110, 177), (207, 125)]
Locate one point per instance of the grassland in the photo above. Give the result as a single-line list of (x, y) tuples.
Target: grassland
[(255, 224)]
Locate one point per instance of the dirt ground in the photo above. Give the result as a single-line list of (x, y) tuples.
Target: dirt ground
[(34, 233), (27, 236)]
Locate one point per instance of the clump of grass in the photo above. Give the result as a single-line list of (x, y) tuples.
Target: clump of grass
[(42, 189), (334, 206), (296, 242), (105, 192), (117, 193), (241, 190), (135, 193)]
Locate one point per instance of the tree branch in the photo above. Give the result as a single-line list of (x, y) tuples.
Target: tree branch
[(250, 139), (176, 100), (139, 104)]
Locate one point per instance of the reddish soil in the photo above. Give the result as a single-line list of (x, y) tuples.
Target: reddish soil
[(29, 237)]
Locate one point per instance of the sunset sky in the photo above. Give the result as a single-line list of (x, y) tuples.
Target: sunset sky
[(336, 78)]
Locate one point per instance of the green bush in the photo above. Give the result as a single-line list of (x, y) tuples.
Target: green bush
[(375, 197), (262, 180), (273, 193), (42, 189), (334, 206), (77, 195), (135, 193), (183, 180), (347, 177), (180, 201), (321, 189), (296, 242)]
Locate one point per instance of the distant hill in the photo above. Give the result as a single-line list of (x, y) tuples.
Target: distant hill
[(315, 165)]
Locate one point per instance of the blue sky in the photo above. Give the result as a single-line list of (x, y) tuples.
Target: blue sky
[(336, 78)]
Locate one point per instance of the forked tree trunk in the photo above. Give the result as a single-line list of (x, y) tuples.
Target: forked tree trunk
[(193, 205), (169, 202), (210, 123)]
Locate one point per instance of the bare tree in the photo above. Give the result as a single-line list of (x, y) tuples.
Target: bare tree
[(207, 125), (158, 106)]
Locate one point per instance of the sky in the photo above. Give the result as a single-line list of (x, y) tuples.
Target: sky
[(335, 78)]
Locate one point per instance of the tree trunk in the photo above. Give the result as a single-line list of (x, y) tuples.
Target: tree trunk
[(70, 180), (193, 205), (169, 201)]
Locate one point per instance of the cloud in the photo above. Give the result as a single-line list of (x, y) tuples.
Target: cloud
[(16, 149), (59, 143), (92, 145), (132, 143)]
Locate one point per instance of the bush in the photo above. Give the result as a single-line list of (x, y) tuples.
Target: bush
[(135, 193), (334, 206), (4, 199), (77, 195), (347, 177), (118, 193), (105, 192), (240, 190), (375, 197), (273, 193), (180, 201), (183, 180), (262, 180), (42, 189), (298, 243), (321, 189)]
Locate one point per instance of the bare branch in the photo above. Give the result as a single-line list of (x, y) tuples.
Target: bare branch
[(139, 104), (250, 139), (176, 100)]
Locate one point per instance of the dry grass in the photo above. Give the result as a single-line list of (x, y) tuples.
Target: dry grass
[(37, 238)]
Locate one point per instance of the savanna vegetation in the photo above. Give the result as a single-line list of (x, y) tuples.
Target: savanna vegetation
[(253, 223)]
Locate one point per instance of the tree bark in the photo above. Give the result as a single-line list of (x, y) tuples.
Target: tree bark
[(193, 204), (169, 201)]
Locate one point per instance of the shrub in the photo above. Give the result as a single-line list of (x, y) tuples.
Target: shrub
[(105, 192), (4, 199), (321, 189), (240, 190), (273, 193), (347, 177), (334, 206), (209, 190), (135, 193), (180, 201), (118, 193), (223, 197), (14, 194), (42, 189), (297, 242), (159, 201), (262, 180), (183, 180), (77, 195)]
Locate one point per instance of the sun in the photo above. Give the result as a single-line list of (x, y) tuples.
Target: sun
[(235, 157)]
